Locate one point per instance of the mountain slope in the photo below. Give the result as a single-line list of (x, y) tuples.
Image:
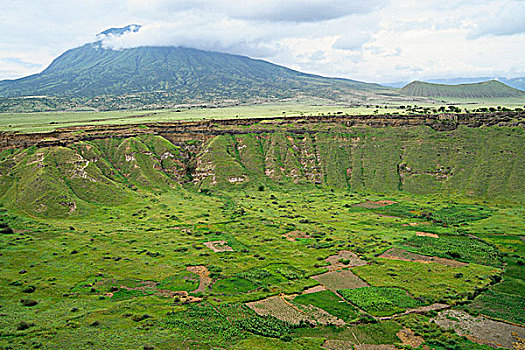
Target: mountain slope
[(183, 73), (487, 89)]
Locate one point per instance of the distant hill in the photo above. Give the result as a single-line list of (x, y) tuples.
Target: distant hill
[(487, 89), (176, 73), (517, 83)]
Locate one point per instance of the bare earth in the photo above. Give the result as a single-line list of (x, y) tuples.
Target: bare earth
[(293, 235), (279, 307), (426, 234), (374, 205), (219, 246), (482, 330), (408, 337), (314, 289), (341, 279), (204, 276), (335, 264)]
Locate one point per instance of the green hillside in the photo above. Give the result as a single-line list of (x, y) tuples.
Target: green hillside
[(487, 89), (61, 181)]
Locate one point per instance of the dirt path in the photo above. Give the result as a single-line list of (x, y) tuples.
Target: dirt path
[(204, 277), (419, 310)]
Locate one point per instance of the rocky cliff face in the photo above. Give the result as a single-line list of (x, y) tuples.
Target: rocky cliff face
[(206, 129), (69, 171)]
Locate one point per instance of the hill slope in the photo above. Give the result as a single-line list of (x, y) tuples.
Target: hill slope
[(487, 89), (183, 73)]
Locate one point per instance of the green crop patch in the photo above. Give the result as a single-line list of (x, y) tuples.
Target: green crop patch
[(499, 305), (331, 303), (380, 301), (183, 281), (223, 325), (460, 213), (234, 285), (429, 282), (460, 248)]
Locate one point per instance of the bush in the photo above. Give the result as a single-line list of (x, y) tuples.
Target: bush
[(28, 302)]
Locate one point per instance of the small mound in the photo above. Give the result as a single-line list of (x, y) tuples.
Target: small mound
[(219, 246), (293, 235), (343, 259), (427, 234)]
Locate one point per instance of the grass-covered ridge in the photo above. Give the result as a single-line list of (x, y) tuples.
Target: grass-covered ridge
[(474, 162), (487, 89)]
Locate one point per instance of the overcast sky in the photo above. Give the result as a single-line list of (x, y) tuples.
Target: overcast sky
[(372, 40)]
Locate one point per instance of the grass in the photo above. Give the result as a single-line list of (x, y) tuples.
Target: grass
[(47, 121), (431, 282), (331, 303), (500, 306), (380, 301), (135, 224), (460, 248)]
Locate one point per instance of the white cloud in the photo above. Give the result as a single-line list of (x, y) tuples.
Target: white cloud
[(378, 40)]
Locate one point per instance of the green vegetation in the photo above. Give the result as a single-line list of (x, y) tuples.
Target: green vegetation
[(171, 76), (96, 238), (331, 303), (186, 281), (429, 282), (500, 306), (487, 89), (460, 248), (380, 301)]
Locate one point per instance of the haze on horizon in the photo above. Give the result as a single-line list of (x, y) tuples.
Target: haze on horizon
[(377, 41)]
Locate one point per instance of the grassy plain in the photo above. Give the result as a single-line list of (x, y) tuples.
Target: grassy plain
[(46, 121), (85, 273)]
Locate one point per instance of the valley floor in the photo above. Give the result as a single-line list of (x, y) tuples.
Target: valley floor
[(267, 268)]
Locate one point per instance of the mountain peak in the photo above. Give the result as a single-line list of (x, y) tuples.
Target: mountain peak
[(119, 31)]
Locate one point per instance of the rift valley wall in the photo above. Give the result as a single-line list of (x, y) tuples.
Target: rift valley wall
[(205, 129), (69, 171)]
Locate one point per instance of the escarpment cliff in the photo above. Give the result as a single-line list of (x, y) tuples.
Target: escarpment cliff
[(69, 171)]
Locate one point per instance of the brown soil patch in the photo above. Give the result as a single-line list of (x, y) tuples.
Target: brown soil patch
[(408, 337), (416, 223), (374, 205), (375, 347), (427, 234), (400, 254), (279, 307), (219, 246), (522, 238), (293, 235), (314, 289), (482, 330), (342, 279), (336, 264), (204, 276)]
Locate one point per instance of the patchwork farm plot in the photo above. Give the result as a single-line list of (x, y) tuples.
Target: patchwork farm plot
[(243, 270)]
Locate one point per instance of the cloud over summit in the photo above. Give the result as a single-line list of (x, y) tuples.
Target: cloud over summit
[(366, 40)]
